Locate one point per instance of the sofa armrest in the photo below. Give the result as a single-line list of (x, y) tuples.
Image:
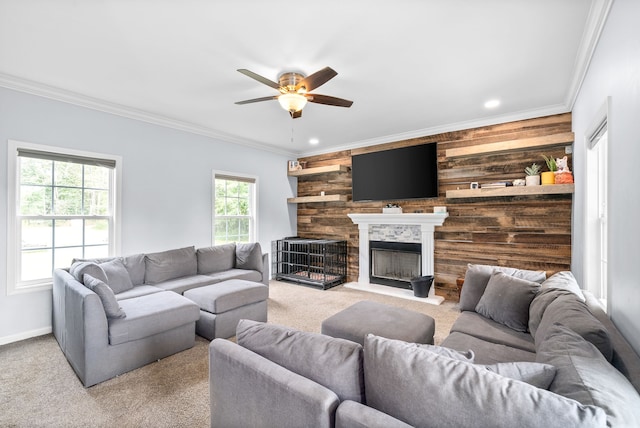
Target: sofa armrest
[(355, 415), (249, 390)]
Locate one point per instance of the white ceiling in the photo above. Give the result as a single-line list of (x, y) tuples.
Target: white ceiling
[(412, 67)]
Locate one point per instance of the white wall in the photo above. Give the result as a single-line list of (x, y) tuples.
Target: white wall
[(615, 72), (166, 193)]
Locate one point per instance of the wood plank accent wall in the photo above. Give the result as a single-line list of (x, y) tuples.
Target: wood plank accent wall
[(527, 232)]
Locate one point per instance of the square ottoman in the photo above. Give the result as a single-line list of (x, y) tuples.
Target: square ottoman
[(362, 318), (223, 304)]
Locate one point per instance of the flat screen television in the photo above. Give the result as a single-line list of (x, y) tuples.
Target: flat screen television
[(396, 174)]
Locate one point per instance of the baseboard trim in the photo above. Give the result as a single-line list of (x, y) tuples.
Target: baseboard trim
[(25, 335)]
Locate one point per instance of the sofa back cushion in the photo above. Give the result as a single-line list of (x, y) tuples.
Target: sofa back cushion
[(171, 264), (584, 375), (506, 300), (249, 256), (79, 268), (564, 280), (423, 388), (218, 258), (540, 303), (574, 314), (477, 277), (117, 275), (135, 265), (333, 363)]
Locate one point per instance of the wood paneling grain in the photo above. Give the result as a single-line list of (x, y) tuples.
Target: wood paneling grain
[(528, 231)]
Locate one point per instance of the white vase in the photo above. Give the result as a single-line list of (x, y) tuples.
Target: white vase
[(532, 180)]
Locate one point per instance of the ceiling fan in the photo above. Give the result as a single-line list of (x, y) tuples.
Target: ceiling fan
[(294, 90)]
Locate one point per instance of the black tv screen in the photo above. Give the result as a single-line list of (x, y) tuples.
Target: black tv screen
[(404, 173)]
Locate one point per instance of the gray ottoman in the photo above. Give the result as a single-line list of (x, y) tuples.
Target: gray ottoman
[(223, 304), (362, 318)]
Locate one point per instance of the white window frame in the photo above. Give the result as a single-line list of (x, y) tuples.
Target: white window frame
[(13, 227), (253, 202), (596, 255)]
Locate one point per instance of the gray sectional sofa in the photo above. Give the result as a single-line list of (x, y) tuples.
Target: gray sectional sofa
[(116, 314), (526, 351)]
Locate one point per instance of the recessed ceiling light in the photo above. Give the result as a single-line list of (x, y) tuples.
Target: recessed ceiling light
[(492, 104), (314, 141)]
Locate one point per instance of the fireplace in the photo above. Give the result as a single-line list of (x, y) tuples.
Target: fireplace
[(394, 263)]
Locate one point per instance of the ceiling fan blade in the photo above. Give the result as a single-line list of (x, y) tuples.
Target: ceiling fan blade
[(259, 78), (295, 114), (317, 79), (257, 100), (326, 99)]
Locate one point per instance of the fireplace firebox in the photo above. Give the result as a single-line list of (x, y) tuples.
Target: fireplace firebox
[(394, 263)]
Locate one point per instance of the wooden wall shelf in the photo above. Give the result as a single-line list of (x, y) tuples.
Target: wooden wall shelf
[(507, 146), (318, 170), (551, 189), (325, 198)]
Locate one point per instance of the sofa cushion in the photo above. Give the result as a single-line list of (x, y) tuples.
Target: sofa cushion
[(539, 305), (333, 363), (467, 356), (117, 275), (574, 314), (135, 265), (216, 259), (477, 277), (506, 300), (180, 285), (356, 415), (422, 388), (564, 280), (247, 275), (171, 264), (486, 352), (80, 268), (137, 291), (584, 375), (228, 295), (536, 374), (477, 325), (152, 314), (111, 307), (249, 256)]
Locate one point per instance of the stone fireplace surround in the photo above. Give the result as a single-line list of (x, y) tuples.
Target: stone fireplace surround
[(407, 227)]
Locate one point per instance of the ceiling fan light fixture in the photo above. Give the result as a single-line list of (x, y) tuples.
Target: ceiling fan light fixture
[(292, 102)]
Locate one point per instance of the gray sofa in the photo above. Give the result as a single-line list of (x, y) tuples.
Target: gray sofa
[(521, 354), (116, 314)]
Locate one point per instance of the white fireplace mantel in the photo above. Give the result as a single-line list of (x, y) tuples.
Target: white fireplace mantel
[(427, 223)]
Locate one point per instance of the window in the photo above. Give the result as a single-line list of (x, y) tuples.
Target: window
[(234, 208), (62, 206)]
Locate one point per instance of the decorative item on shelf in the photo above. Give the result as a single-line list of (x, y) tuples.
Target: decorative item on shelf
[(533, 175), (519, 182), (392, 209), (549, 177), (563, 175), (303, 164), (497, 184), (440, 210), (294, 165), (474, 185)]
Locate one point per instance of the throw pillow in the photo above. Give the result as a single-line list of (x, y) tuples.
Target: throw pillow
[(584, 375), (171, 264), (467, 356), (216, 259), (575, 315), (506, 300), (249, 256), (330, 362), (477, 277), (422, 388), (111, 307), (540, 303), (117, 275), (79, 269), (564, 280), (536, 374)]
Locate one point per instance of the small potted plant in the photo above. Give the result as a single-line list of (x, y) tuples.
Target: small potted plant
[(533, 175), (549, 177)]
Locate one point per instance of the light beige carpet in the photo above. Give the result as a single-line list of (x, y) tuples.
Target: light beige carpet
[(38, 388)]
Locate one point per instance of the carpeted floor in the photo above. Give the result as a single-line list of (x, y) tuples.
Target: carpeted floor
[(38, 388)]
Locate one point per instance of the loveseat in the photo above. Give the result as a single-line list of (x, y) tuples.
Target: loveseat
[(526, 351), (116, 314)]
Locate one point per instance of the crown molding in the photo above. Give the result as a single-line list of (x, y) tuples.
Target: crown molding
[(69, 97)]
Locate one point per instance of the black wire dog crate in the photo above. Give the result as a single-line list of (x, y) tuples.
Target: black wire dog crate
[(316, 262)]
